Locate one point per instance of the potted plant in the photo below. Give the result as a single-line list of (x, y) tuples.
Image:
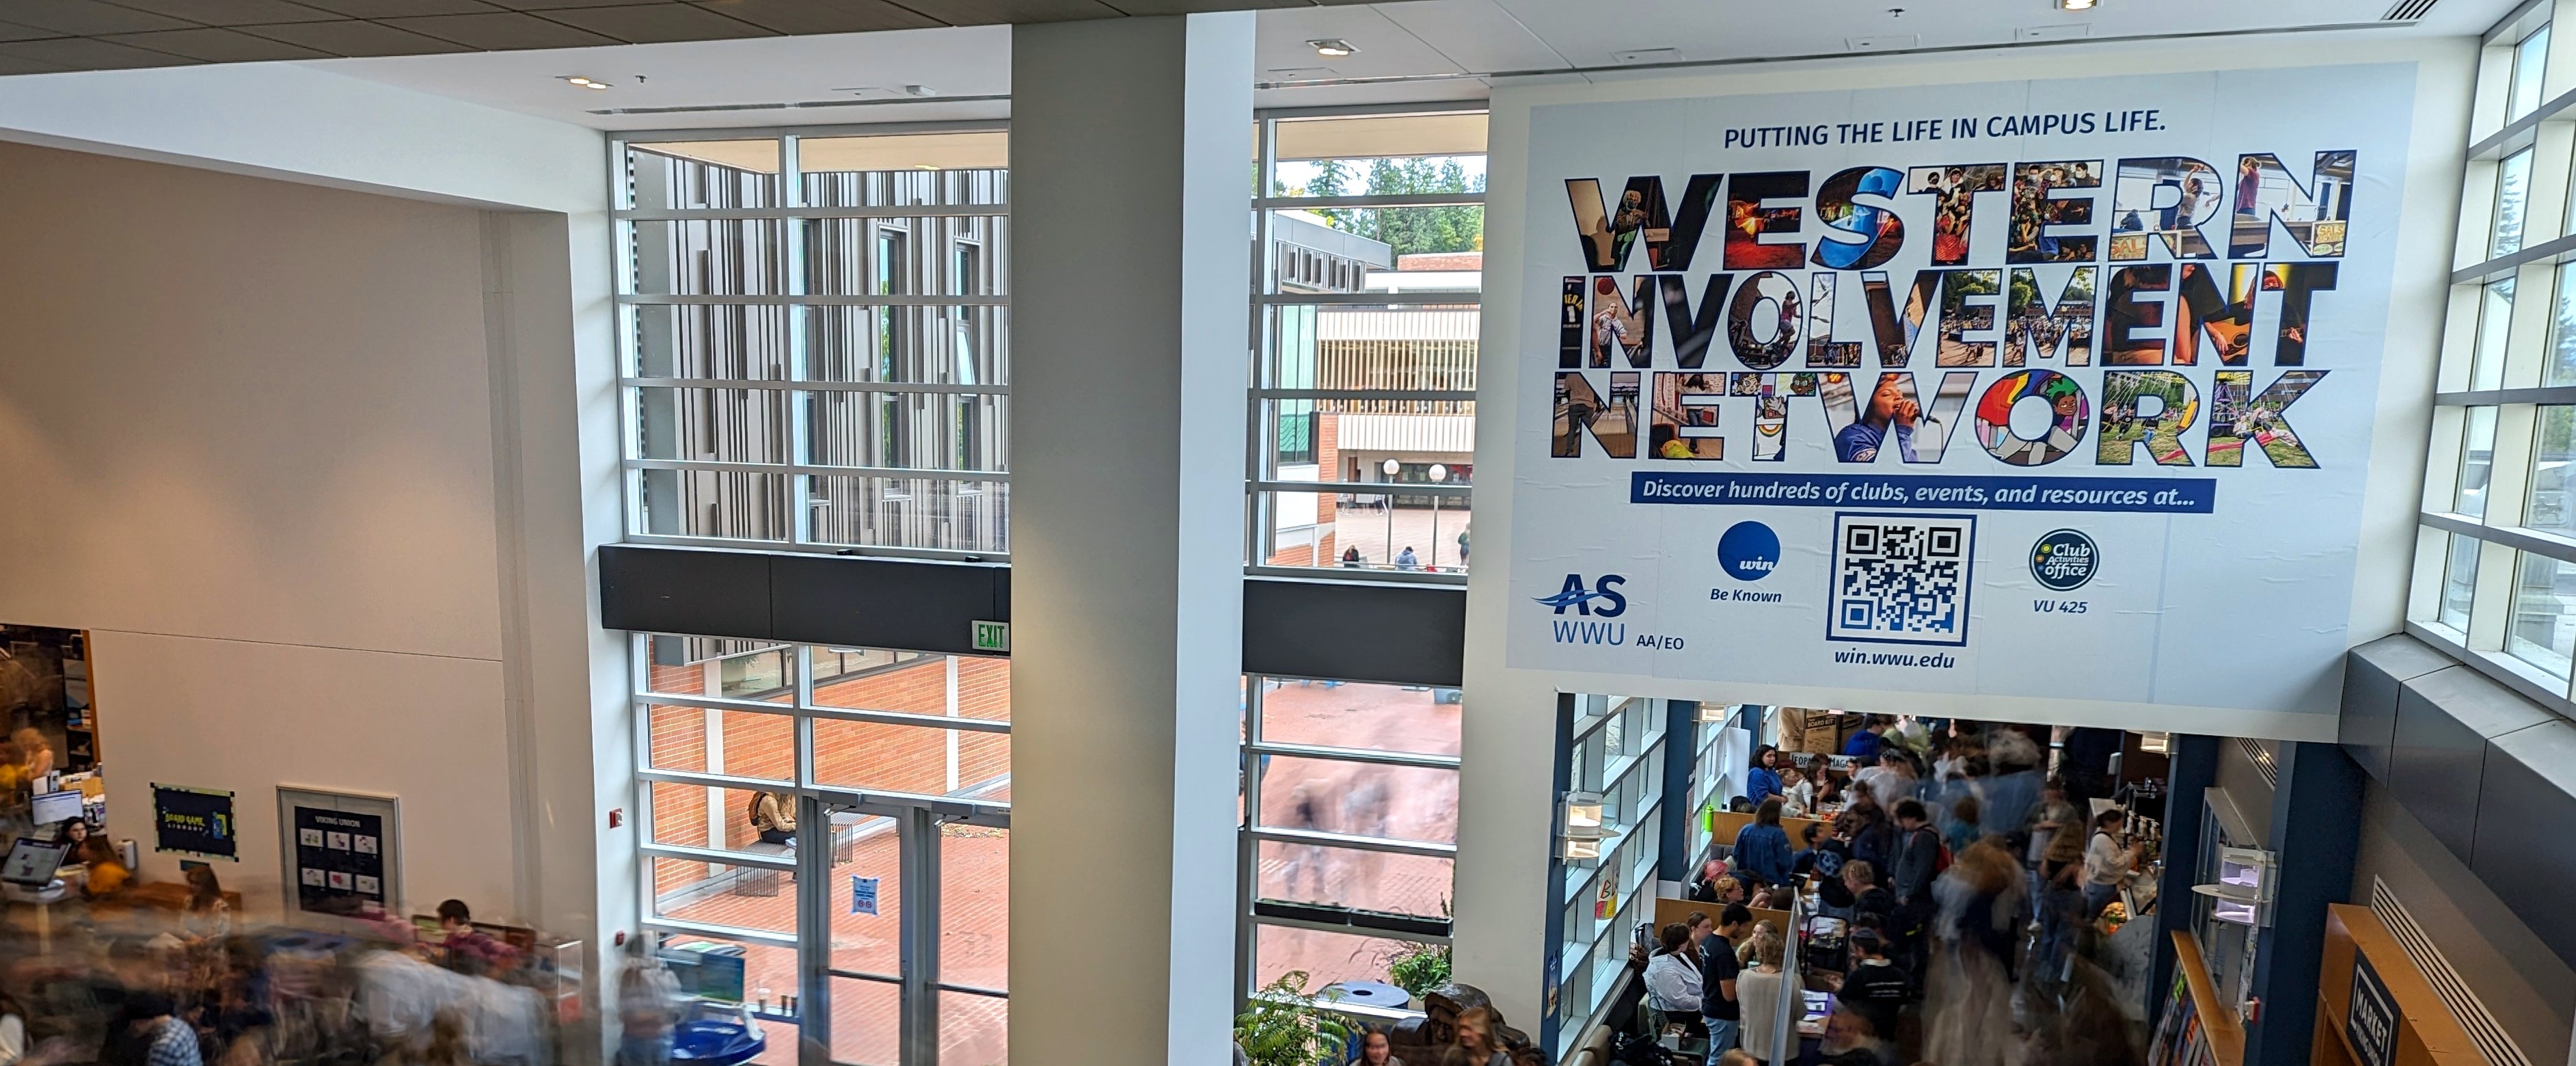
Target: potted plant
[(1419, 969), (1283, 1027)]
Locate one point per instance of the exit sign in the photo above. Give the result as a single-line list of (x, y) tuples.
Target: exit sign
[(992, 636)]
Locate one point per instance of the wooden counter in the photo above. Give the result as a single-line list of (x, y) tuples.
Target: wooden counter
[(2217, 1017)]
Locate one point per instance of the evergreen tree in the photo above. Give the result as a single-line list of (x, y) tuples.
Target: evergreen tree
[(1408, 230)]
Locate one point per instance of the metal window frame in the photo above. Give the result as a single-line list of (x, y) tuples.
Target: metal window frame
[(1259, 489), (2500, 540), (1250, 835), (917, 821), (792, 492)]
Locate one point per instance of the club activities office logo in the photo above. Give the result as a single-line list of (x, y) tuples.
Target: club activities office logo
[(2064, 560), (1598, 599)]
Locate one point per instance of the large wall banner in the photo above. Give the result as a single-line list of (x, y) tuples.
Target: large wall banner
[(2060, 390)]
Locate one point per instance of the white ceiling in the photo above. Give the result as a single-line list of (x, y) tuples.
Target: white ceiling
[(1425, 50)]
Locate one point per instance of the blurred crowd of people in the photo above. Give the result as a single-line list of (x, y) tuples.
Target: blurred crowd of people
[(1970, 888), (95, 982)]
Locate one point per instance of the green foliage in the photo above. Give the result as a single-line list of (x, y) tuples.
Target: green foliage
[(1419, 969), (1282, 1027), (1409, 230)]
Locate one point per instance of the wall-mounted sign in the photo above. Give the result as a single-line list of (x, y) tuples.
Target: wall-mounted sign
[(992, 636), (2371, 1024), (340, 852), (194, 821), (1881, 398)]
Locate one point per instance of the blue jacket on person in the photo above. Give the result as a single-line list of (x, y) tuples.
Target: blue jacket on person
[(1763, 783), (1763, 851), (1863, 748)]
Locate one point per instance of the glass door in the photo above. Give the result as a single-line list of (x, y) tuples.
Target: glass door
[(905, 942)]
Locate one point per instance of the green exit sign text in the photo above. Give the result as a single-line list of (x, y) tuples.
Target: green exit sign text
[(992, 636)]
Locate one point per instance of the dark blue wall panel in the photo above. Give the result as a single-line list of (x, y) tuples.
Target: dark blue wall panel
[(2525, 854), (697, 591), (2372, 675), (2434, 759), (1407, 634), (1337, 630)]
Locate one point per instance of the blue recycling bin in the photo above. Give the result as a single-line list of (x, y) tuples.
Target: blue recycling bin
[(717, 1041)]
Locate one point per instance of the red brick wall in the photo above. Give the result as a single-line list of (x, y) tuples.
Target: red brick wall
[(1328, 458), (860, 754)]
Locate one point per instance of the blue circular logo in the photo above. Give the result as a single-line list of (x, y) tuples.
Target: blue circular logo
[(1749, 550), (2064, 560)]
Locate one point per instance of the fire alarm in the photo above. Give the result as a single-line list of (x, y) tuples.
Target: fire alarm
[(616, 817)]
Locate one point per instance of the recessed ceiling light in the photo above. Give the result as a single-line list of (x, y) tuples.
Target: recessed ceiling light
[(919, 90), (2075, 5), (1333, 46), (584, 82)]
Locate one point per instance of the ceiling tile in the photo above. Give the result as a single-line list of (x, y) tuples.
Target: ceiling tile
[(502, 32), (231, 12), (1385, 49), (391, 9), (82, 53), (822, 16), (217, 45), (1184, 7), (1475, 34), (656, 23), (354, 38), (85, 17), (990, 12), (28, 66)]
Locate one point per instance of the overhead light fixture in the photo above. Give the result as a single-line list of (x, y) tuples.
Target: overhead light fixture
[(2075, 5), (584, 82), (1333, 46)]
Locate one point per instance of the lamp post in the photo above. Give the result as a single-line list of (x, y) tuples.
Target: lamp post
[(1391, 467), (1439, 474)]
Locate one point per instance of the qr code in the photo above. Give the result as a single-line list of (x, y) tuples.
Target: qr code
[(1902, 579)]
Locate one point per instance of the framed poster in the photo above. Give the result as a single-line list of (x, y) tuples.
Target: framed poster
[(340, 853), (194, 821)]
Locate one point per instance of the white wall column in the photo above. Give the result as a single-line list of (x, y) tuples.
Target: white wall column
[(1131, 141), (550, 320), (1506, 799)]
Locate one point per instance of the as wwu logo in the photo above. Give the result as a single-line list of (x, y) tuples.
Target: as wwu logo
[(1601, 600)]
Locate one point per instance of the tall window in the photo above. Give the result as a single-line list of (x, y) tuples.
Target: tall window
[(1371, 245), (835, 824), (1350, 793), (1608, 893), (2495, 558), (815, 341)]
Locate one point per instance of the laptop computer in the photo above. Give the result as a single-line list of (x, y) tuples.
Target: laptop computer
[(31, 862)]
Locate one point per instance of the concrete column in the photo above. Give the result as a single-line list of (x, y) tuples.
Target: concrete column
[(2316, 831), (1131, 150)]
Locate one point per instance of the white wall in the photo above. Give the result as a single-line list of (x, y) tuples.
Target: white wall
[(1504, 802), (303, 123), (248, 439), (375, 436)]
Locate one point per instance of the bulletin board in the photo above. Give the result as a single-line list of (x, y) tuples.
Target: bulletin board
[(339, 853)]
